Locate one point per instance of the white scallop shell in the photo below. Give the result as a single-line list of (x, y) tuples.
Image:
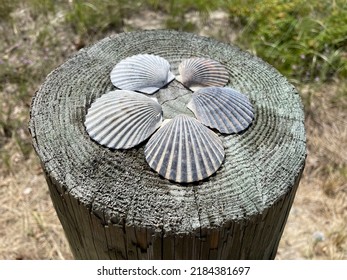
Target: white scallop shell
[(184, 150), (222, 108), (198, 72), (144, 73), (122, 119)]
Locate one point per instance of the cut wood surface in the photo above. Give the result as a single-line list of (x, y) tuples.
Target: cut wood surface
[(113, 206)]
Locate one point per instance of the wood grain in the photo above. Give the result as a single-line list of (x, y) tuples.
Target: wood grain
[(113, 206)]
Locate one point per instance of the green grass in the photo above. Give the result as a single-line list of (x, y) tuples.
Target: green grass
[(177, 9), (7, 7), (91, 17), (98, 16), (42, 7), (305, 40)]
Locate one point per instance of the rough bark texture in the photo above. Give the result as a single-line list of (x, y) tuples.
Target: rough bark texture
[(113, 206)]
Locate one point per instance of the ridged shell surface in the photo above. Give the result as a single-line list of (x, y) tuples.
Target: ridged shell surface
[(122, 119), (222, 108), (184, 150), (200, 72), (144, 73)]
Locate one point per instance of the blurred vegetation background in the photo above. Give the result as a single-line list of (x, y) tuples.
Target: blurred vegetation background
[(305, 40)]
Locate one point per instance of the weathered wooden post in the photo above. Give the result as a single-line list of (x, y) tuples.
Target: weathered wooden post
[(113, 206)]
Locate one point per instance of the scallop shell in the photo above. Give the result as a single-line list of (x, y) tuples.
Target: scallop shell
[(184, 150), (122, 119), (225, 109), (201, 72), (144, 73)]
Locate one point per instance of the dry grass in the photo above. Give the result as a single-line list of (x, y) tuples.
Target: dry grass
[(30, 229), (317, 228), (29, 226)]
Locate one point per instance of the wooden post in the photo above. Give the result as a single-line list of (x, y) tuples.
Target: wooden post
[(113, 206)]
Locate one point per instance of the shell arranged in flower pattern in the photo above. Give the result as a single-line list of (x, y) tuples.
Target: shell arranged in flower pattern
[(223, 108), (184, 150), (122, 119), (144, 73), (201, 72)]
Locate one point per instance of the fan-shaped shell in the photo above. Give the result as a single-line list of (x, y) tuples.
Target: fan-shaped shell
[(184, 150), (144, 72), (122, 119), (223, 108), (198, 72)]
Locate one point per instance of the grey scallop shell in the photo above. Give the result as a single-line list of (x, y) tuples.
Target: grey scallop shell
[(122, 119), (222, 108), (144, 73), (198, 72), (184, 150)]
